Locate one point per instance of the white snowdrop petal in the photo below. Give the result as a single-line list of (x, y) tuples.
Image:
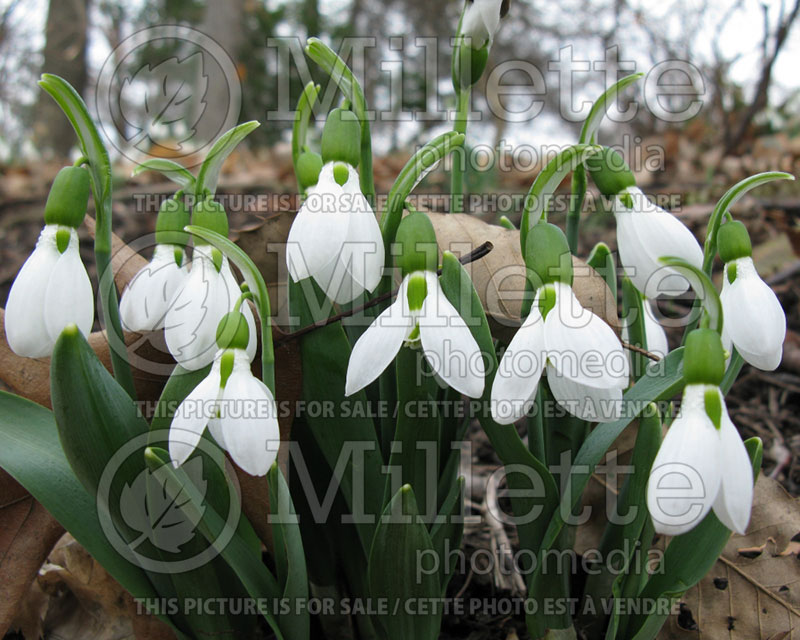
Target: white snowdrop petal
[(584, 402), (25, 328), (581, 346), (69, 298), (735, 497), (146, 299), (448, 344), (192, 416), (249, 421), (190, 327), (519, 371), (687, 472), (654, 333), (379, 344), (754, 319)]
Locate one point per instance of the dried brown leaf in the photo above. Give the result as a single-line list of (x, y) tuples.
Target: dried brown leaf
[(745, 598)]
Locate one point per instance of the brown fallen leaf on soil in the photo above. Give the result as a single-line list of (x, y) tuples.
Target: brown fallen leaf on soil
[(27, 533), (753, 591)]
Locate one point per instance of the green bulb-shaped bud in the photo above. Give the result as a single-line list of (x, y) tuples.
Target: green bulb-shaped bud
[(734, 241), (341, 138), (210, 214), (416, 244), (69, 196), (610, 172), (309, 164), (547, 254), (172, 218), (232, 331), (704, 358), (468, 65)]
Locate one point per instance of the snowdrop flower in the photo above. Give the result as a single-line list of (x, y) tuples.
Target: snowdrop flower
[(335, 238), (52, 290), (755, 322), (586, 367), (146, 299), (654, 333), (238, 409), (421, 315), (482, 19), (645, 232), (702, 463), (207, 294)]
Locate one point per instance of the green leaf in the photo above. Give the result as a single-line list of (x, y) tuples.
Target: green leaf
[(255, 281), (345, 433), (290, 561), (31, 453), (398, 575), (546, 183), (238, 553), (447, 532), (94, 151), (534, 494), (601, 106), (418, 166), (662, 380), (730, 198), (687, 560), (633, 310), (343, 76), (209, 171), (170, 169)]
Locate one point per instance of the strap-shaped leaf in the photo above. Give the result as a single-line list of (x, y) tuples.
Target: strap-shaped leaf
[(209, 171), (447, 532), (290, 561), (398, 575), (179, 174)]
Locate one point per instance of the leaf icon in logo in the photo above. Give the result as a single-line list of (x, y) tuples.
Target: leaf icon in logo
[(174, 101), (147, 508)]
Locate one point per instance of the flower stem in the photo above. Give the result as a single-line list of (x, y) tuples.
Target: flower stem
[(459, 165), (575, 207)]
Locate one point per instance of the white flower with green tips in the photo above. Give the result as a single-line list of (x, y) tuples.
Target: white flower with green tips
[(335, 238), (755, 322), (482, 19), (147, 298), (702, 463), (51, 291), (420, 315), (238, 409)]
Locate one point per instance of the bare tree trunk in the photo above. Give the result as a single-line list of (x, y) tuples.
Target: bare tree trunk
[(64, 55)]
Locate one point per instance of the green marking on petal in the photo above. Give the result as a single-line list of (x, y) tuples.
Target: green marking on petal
[(216, 258), (178, 255), (341, 173), (63, 236), (547, 300), (730, 272), (226, 367), (713, 405), (417, 290), (626, 199)]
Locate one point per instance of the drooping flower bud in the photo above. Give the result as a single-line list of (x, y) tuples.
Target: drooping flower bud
[(416, 241), (172, 218), (704, 359), (734, 242), (233, 331), (210, 214), (610, 173), (309, 165), (68, 198), (468, 65), (547, 254), (341, 138)]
